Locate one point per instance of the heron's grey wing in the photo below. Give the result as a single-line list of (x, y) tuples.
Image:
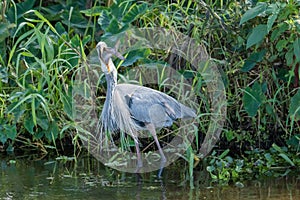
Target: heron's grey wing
[(150, 106)]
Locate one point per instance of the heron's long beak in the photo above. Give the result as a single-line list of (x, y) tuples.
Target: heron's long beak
[(106, 53), (118, 55)]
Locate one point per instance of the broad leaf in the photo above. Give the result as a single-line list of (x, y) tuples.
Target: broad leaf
[(253, 98), (289, 57), (22, 8), (273, 10), (271, 20), (253, 12), (294, 141), (42, 121), (104, 19), (294, 110), (257, 35), (119, 8), (281, 44), (252, 60), (134, 12), (276, 33), (28, 124), (297, 49), (113, 27), (10, 131), (60, 28), (135, 55)]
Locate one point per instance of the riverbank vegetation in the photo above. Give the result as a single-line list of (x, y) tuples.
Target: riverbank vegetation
[(256, 45)]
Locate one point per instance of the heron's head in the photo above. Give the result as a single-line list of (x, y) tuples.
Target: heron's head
[(105, 53)]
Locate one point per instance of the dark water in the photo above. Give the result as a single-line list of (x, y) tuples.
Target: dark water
[(88, 179)]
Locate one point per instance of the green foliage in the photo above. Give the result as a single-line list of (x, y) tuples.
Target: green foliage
[(116, 18), (294, 110), (279, 23), (253, 59), (294, 142), (8, 131), (255, 45), (36, 75), (273, 37), (134, 55), (257, 35), (296, 46), (4, 31), (252, 13), (258, 163), (253, 98)]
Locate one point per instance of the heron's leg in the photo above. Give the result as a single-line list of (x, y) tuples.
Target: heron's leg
[(138, 154), (151, 128)]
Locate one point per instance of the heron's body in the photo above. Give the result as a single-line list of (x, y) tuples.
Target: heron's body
[(141, 106), (132, 108)]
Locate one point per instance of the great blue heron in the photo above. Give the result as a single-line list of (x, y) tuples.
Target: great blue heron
[(132, 108)]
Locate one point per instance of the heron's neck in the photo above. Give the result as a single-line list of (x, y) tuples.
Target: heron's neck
[(111, 80), (106, 114)]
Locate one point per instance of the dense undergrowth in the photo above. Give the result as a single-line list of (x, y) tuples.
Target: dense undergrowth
[(255, 44)]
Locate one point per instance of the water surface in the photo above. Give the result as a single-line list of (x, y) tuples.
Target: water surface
[(89, 179)]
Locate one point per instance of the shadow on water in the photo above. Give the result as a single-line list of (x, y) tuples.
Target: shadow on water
[(88, 179)]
